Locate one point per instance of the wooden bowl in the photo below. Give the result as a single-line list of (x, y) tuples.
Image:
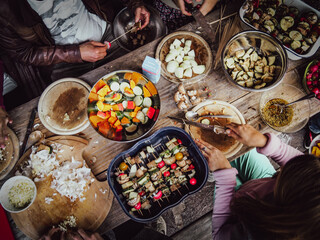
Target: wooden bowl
[(199, 45)]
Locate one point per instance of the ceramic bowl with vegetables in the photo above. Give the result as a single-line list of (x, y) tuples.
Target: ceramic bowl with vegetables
[(184, 56), (294, 23), (254, 61), (311, 78), (157, 173), (123, 106)]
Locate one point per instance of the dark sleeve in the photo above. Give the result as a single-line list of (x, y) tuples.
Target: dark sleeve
[(1, 85), (27, 52)]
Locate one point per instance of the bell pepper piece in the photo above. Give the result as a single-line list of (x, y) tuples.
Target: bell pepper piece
[(117, 123), (101, 114), (136, 109), (100, 105), (131, 105), (93, 97), (107, 107), (158, 195), (125, 120), (119, 128), (146, 92), (113, 114), (156, 114), (112, 120), (100, 84), (152, 89), (104, 127), (151, 112), (116, 97), (128, 76), (128, 90), (115, 107), (94, 119), (136, 77), (103, 91), (120, 107), (314, 150), (133, 114), (136, 120), (132, 84)]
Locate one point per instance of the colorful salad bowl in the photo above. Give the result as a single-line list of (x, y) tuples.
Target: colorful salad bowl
[(123, 106)]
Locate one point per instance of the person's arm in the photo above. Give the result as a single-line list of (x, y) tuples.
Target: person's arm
[(140, 11), (225, 180), (267, 144), (12, 45)]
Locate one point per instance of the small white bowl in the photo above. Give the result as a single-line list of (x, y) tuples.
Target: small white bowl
[(4, 193)]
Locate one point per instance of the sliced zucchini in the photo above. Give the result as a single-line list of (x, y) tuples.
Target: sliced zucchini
[(205, 121), (127, 114), (140, 116), (295, 44), (295, 35), (128, 190), (286, 23), (114, 86), (145, 110), (271, 60), (123, 85), (132, 128), (127, 184), (119, 114), (129, 95), (146, 119), (138, 100), (125, 104), (147, 102), (137, 90)]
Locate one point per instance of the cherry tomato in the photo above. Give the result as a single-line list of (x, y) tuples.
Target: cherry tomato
[(121, 174), (123, 166), (161, 164), (142, 193), (158, 195), (193, 181), (191, 166), (173, 166), (138, 206), (179, 141), (178, 156), (166, 174)]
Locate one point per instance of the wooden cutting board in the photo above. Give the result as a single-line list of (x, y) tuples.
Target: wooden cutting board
[(40, 216)]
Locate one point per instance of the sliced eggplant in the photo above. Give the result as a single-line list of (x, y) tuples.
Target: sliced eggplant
[(295, 35), (286, 23), (132, 128)]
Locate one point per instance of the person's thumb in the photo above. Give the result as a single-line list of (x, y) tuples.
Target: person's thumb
[(98, 44)]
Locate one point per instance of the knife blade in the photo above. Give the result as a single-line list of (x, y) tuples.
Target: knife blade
[(201, 20), (29, 130), (215, 128)]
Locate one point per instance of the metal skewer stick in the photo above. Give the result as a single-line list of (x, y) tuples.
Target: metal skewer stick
[(123, 34)]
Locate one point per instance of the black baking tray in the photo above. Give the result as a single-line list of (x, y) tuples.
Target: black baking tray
[(161, 136)]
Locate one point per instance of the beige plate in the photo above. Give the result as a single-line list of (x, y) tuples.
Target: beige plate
[(11, 154), (68, 95), (219, 141), (199, 45)]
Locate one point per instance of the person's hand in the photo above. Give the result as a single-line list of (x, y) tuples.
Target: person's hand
[(50, 234), (216, 159), (143, 15), (4, 119), (93, 236), (93, 51), (207, 6), (182, 6), (247, 135)]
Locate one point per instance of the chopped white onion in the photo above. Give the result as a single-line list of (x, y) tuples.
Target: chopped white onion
[(191, 53), (188, 72), (193, 63), (188, 43), (172, 66), (179, 59), (199, 69), (179, 72), (176, 42), (170, 57)]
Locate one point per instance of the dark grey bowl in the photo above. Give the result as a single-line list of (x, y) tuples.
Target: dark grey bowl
[(125, 19)]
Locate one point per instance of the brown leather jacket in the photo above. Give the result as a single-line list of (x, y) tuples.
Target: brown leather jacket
[(27, 48)]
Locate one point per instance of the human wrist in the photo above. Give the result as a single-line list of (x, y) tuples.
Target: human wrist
[(263, 139)]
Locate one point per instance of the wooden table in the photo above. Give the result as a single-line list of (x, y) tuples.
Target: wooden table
[(104, 150)]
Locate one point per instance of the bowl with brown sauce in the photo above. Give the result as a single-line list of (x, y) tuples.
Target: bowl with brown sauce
[(284, 119)]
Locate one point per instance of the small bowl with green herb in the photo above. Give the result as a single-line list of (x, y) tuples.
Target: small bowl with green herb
[(17, 194)]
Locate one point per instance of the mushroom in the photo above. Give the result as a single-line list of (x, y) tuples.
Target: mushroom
[(182, 105), (169, 160), (178, 97), (181, 89)]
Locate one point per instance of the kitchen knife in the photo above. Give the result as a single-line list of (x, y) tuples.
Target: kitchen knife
[(29, 130), (215, 128), (201, 20)]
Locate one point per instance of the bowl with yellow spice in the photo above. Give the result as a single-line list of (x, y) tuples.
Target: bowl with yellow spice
[(281, 118)]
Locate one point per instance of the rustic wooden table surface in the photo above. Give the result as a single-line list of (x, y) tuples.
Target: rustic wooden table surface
[(104, 150)]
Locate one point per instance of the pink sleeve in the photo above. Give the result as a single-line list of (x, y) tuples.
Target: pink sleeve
[(1, 84), (278, 151), (225, 183)]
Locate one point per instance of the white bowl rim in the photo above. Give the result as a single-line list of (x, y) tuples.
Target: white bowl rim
[(3, 191)]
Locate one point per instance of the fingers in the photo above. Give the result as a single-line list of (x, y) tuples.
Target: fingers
[(183, 9), (137, 14), (146, 19), (98, 44), (204, 143), (233, 134)]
